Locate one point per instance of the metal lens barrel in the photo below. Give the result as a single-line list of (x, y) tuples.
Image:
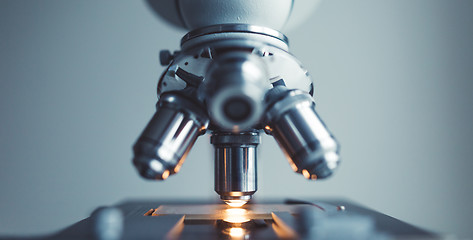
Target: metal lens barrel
[(168, 137), (235, 88), (292, 120), (235, 165)]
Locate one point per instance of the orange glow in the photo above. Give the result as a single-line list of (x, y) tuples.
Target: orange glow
[(268, 128), (176, 231), (313, 177), (149, 212), (236, 215), (177, 168), (282, 229), (165, 174), (293, 166), (236, 232), (306, 173)]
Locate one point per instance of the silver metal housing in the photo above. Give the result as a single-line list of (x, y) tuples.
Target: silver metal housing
[(292, 120), (162, 147), (235, 164)]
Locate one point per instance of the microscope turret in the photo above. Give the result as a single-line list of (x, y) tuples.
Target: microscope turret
[(234, 77)]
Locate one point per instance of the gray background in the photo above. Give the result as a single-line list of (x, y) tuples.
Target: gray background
[(393, 82)]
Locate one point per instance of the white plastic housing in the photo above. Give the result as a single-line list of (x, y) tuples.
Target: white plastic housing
[(276, 14)]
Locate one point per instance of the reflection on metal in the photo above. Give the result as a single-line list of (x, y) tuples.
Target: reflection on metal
[(149, 212), (236, 232), (280, 231), (176, 231), (306, 173), (283, 230), (165, 175), (293, 166), (177, 168)]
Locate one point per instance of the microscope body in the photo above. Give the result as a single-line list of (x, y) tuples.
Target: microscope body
[(234, 77)]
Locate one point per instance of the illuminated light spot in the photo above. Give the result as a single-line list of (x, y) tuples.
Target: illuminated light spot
[(306, 173), (268, 128), (313, 177), (236, 232), (235, 203), (165, 174), (236, 215)]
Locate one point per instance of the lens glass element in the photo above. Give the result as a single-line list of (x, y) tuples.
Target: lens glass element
[(237, 109)]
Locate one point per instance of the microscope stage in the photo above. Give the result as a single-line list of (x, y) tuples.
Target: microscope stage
[(290, 219)]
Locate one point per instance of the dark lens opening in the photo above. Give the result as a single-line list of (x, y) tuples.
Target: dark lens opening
[(237, 109)]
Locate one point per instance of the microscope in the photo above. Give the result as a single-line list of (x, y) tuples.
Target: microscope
[(234, 78)]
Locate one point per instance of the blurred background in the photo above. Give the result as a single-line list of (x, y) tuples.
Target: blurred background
[(394, 83)]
